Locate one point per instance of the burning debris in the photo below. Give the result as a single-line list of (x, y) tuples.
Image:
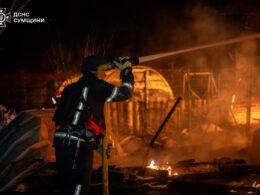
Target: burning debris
[(166, 167), (221, 176)]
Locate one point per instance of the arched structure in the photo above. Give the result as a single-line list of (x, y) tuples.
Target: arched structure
[(150, 85), (151, 101)]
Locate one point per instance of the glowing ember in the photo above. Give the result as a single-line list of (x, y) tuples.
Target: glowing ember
[(167, 167), (232, 191), (152, 165), (255, 184), (175, 174)]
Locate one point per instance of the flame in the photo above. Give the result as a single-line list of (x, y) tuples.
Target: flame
[(152, 165), (175, 173), (167, 167), (241, 110), (255, 184), (233, 101)]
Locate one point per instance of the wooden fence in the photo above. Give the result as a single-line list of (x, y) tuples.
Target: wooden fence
[(140, 118)]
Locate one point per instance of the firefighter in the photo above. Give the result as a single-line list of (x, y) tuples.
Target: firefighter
[(80, 119)]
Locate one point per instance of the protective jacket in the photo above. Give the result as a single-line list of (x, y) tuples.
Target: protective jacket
[(88, 95)]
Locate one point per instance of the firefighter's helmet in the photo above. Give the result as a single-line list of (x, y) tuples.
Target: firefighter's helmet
[(91, 63)]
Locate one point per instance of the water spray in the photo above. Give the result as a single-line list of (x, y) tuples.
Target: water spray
[(211, 45), (138, 60)]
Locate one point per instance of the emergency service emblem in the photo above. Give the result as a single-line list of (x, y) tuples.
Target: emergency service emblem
[(4, 17)]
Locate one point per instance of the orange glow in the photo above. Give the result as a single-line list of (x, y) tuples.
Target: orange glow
[(233, 101), (152, 165), (167, 167), (255, 184), (241, 110)]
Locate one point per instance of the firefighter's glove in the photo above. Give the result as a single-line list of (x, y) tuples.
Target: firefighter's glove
[(122, 63)]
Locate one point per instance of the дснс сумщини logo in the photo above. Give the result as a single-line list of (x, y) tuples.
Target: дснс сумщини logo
[(4, 17)]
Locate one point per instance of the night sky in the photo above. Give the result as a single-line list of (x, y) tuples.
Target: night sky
[(128, 27)]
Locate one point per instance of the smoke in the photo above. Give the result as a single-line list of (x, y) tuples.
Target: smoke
[(221, 133), (192, 25), (218, 133)]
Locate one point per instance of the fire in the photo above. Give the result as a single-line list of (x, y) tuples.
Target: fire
[(175, 173), (233, 101), (255, 184), (239, 110), (166, 166), (152, 165)]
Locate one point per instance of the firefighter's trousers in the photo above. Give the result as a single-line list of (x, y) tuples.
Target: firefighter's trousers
[(74, 160)]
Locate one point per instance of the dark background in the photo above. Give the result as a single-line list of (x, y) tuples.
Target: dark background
[(135, 28)]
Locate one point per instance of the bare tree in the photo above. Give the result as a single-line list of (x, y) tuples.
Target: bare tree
[(96, 44), (66, 57)]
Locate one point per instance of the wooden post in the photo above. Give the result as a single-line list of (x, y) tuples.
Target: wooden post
[(156, 113), (189, 100), (146, 100), (161, 112), (134, 115), (208, 93), (129, 121), (154, 116), (137, 116), (146, 75), (105, 157), (113, 107), (129, 110), (249, 100), (120, 118)]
